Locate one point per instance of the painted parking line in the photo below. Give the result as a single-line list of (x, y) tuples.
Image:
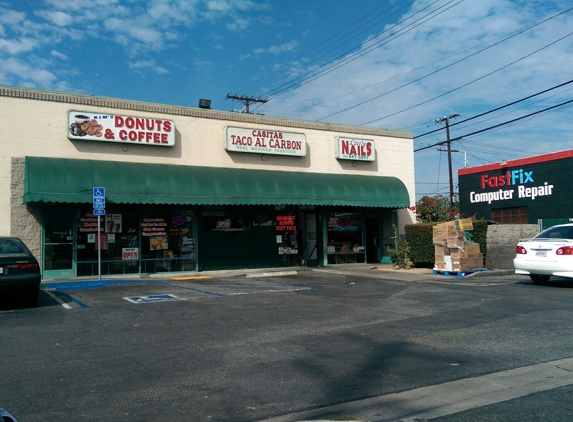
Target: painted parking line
[(76, 304), (244, 286), (217, 288)]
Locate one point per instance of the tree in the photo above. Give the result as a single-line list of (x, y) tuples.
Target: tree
[(434, 209)]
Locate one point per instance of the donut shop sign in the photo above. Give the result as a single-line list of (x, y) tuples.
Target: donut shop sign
[(89, 126)]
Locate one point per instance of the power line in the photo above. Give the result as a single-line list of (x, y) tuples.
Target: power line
[(517, 109), (495, 126), (284, 68), (415, 70), (511, 35), (499, 108), (289, 85), (471, 82)]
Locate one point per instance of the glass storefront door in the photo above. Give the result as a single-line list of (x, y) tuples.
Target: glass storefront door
[(311, 240), (58, 244)]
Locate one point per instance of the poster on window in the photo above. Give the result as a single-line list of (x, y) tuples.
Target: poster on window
[(103, 242), (113, 223), (158, 243)]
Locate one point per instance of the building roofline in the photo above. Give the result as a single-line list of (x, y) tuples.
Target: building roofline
[(104, 102), (518, 162)]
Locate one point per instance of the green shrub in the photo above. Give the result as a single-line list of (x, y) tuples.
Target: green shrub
[(479, 235), (421, 246), (420, 240), (400, 256)]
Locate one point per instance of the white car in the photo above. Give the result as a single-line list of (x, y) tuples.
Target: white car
[(550, 253)]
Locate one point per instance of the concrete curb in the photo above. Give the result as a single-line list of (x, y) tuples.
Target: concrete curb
[(271, 274), (366, 271), (490, 273)]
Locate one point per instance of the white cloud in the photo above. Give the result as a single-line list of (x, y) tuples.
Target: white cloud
[(13, 69), (11, 17), (17, 46), (289, 46), (58, 55), (237, 24), (148, 64), (58, 18)]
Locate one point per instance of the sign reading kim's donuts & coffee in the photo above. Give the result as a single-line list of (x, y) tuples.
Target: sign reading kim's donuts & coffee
[(89, 126)]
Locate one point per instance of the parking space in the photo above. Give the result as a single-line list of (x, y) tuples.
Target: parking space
[(86, 294)]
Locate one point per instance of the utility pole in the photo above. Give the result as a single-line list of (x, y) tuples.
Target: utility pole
[(446, 119), (247, 100)]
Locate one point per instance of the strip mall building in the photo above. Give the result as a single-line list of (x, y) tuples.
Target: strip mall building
[(194, 189), (519, 191)]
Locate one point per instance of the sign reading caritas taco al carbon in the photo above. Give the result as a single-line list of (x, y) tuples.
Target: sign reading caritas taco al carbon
[(103, 127), (265, 141), (355, 149)]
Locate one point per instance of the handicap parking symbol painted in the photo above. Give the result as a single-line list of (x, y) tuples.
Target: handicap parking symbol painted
[(152, 298)]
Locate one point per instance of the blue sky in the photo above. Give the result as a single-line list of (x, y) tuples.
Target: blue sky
[(396, 64)]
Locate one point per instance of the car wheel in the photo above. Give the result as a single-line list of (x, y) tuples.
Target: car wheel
[(539, 279), (31, 296)]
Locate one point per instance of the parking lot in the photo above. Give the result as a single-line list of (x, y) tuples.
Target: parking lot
[(83, 294), (242, 349)]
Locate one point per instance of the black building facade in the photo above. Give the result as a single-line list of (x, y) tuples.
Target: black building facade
[(519, 191)]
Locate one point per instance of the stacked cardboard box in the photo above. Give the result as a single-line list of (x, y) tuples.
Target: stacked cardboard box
[(452, 251)]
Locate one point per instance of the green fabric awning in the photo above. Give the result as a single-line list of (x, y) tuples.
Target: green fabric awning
[(72, 181)]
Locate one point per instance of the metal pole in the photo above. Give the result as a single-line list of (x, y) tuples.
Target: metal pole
[(98, 247), (449, 143)]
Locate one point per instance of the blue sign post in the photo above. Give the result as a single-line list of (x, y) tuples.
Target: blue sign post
[(99, 210)]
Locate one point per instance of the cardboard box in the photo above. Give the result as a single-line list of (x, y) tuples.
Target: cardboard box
[(441, 232), (468, 263), (464, 224), (439, 253), (455, 242), (468, 250), (472, 249)]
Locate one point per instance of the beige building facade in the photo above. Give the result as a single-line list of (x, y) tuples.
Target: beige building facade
[(192, 189)]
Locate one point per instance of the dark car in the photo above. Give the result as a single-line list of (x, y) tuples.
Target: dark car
[(7, 417), (19, 271)]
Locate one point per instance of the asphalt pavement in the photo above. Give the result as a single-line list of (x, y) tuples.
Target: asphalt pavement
[(332, 332)]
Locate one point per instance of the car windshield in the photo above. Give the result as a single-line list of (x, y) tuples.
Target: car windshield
[(11, 247), (558, 232)]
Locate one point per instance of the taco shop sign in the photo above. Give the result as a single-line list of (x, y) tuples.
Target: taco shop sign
[(265, 141)]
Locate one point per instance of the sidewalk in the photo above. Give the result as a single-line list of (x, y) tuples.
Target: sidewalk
[(378, 271)]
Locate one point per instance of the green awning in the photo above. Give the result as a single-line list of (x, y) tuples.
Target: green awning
[(72, 181)]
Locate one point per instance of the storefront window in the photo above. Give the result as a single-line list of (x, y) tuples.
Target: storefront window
[(510, 215), (168, 241), (288, 239), (58, 242), (345, 239), (119, 243), (133, 243), (229, 220)]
